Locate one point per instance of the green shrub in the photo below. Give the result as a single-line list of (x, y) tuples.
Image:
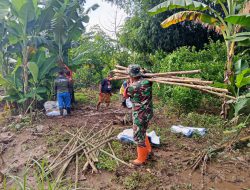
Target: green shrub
[(210, 60)]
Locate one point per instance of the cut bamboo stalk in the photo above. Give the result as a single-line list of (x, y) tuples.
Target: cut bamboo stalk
[(61, 172), (219, 94), (184, 80), (120, 67), (90, 161), (64, 148), (161, 74), (191, 86), (76, 174), (102, 143), (113, 153), (78, 149), (85, 167), (114, 157)]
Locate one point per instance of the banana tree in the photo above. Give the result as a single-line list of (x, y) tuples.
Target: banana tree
[(4, 10), (40, 76), (67, 23), (204, 14), (20, 25)]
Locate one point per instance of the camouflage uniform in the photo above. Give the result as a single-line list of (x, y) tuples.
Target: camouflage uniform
[(140, 93)]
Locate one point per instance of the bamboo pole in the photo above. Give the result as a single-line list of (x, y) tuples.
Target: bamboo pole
[(191, 81), (191, 86), (89, 161), (66, 163), (114, 157), (120, 67), (76, 174), (161, 74), (64, 148), (219, 94), (78, 149)]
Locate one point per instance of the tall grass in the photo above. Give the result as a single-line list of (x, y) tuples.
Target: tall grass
[(43, 181)]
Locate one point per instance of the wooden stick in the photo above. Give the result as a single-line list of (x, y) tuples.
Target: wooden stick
[(64, 148), (85, 166), (65, 164), (114, 157), (78, 149), (113, 153), (120, 67), (191, 86), (89, 161), (220, 95), (184, 80), (162, 74), (76, 174)]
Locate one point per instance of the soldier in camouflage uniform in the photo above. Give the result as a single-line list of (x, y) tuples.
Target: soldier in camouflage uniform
[(140, 92)]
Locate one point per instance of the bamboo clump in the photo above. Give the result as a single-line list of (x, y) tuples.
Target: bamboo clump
[(81, 147), (171, 78)]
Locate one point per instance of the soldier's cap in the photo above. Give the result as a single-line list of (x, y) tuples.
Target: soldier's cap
[(134, 70)]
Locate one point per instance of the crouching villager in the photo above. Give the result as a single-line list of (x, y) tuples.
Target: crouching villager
[(105, 92), (140, 92), (62, 86)]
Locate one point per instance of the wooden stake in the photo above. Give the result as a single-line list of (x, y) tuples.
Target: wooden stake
[(76, 174)]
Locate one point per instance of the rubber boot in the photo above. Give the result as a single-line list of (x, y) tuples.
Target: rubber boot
[(149, 148), (68, 111), (61, 112), (142, 153)]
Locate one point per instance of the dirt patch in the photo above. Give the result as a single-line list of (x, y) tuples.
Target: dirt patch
[(169, 168)]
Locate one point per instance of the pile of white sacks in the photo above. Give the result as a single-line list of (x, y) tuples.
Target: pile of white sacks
[(52, 109)]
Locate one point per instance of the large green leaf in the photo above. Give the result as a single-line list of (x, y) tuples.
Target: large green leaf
[(242, 104), (243, 78), (175, 4), (46, 66), (3, 81), (25, 10), (243, 20), (4, 8), (243, 38), (59, 27), (34, 70), (190, 16), (240, 65)]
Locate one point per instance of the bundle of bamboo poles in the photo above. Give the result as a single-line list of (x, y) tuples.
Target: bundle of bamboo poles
[(171, 78), (83, 145)]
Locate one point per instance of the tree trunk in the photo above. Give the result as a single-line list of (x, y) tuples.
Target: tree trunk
[(228, 74), (25, 71), (25, 75)]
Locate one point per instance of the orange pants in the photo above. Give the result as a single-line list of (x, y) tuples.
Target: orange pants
[(104, 98)]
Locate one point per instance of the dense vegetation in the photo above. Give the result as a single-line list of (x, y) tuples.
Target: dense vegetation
[(36, 43)]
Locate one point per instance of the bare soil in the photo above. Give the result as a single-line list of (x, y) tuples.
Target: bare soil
[(169, 168)]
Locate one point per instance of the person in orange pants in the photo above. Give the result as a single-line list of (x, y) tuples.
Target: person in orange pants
[(140, 92)]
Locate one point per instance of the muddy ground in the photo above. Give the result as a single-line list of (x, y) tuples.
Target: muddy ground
[(168, 169)]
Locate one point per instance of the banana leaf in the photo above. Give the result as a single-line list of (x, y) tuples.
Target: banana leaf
[(175, 4), (241, 19), (195, 16)]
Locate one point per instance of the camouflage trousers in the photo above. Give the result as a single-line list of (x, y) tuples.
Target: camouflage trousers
[(140, 126)]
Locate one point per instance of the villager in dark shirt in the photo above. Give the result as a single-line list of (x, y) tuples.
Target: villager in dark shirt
[(62, 87), (105, 92)]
